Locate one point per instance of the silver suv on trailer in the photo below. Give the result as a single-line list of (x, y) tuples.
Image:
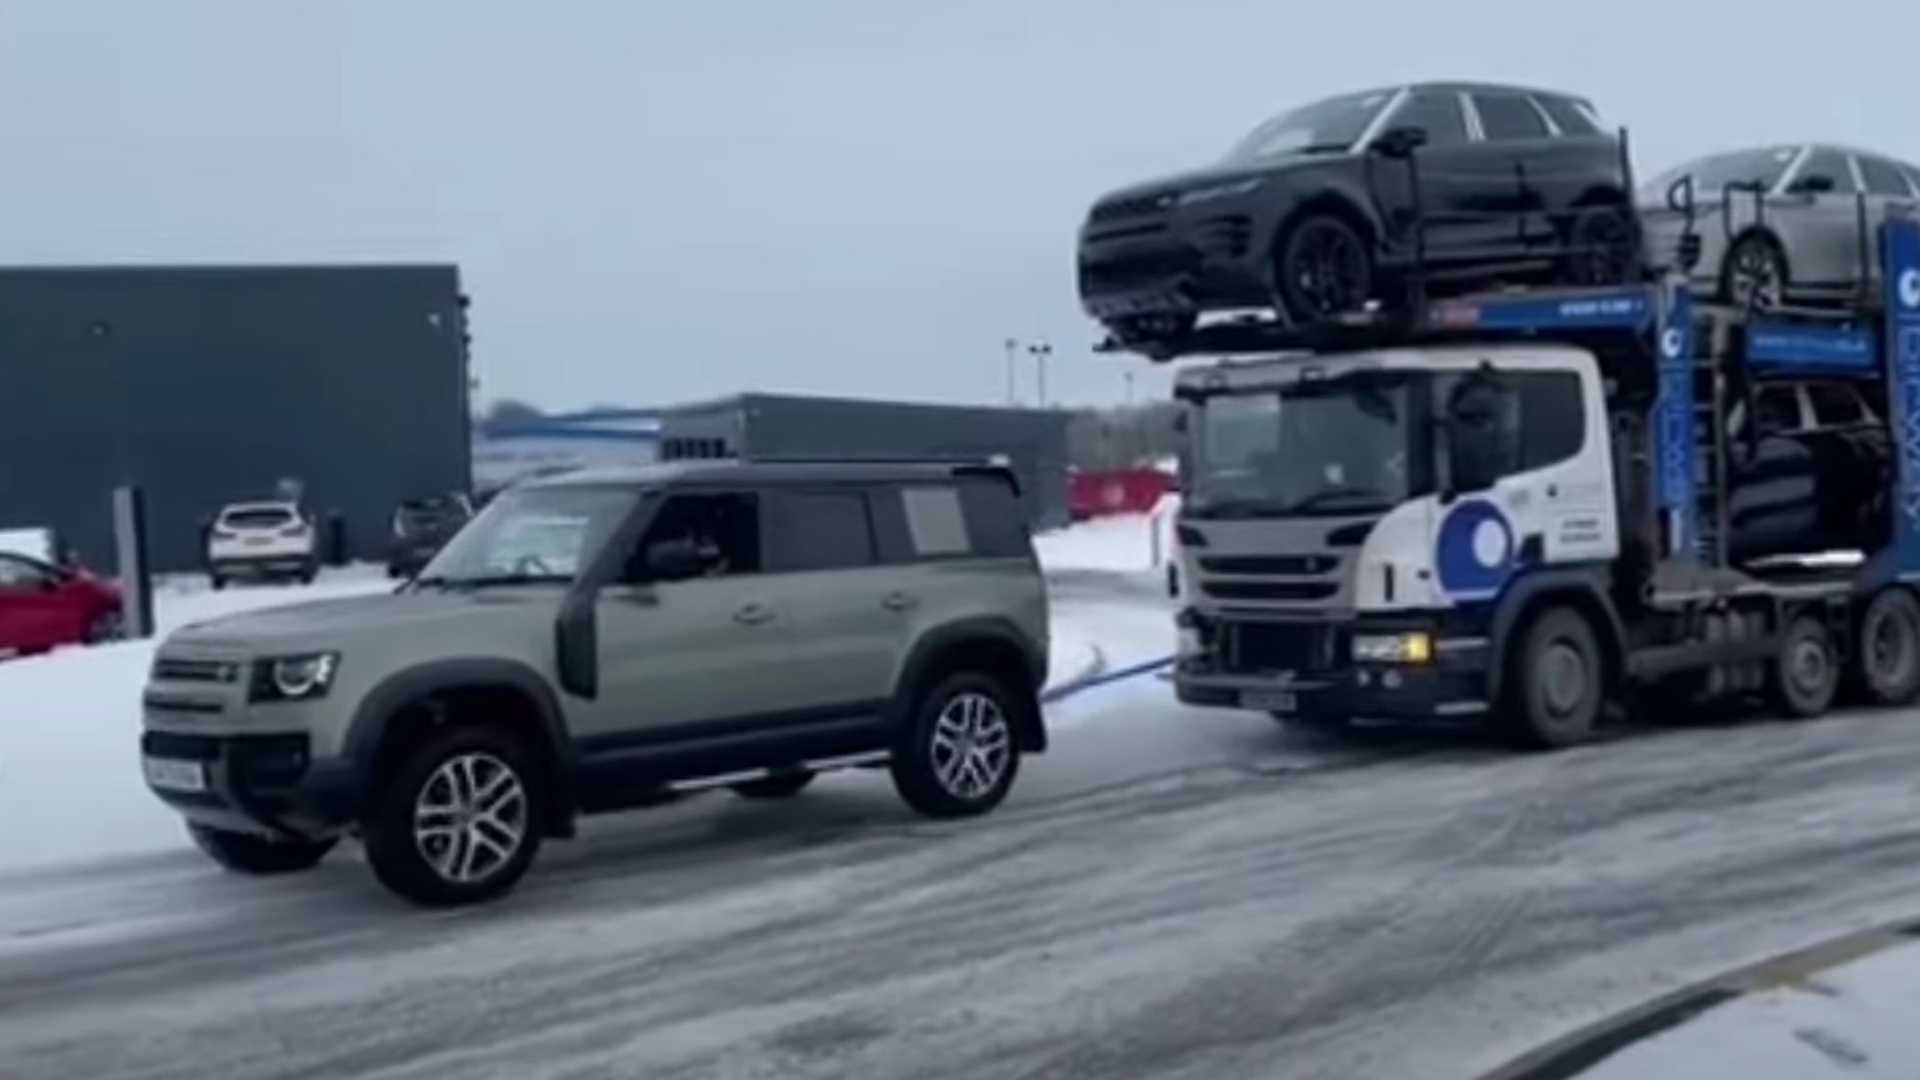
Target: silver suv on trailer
[(603, 640)]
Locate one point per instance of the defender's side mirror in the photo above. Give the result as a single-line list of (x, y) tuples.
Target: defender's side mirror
[(1399, 142), (674, 560)]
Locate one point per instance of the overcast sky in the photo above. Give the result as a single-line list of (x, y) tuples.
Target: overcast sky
[(652, 202)]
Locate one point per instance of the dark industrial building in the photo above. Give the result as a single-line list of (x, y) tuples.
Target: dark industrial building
[(209, 385), (770, 427)]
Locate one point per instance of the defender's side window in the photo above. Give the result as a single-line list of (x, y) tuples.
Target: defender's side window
[(920, 521), (817, 530), (701, 535)]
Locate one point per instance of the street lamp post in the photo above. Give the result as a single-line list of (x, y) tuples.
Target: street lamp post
[(1012, 346), (1040, 350)]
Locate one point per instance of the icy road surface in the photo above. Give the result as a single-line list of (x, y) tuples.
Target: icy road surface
[(1169, 893)]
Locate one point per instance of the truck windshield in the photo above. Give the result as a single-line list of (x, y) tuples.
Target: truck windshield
[(1339, 447), (531, 535)]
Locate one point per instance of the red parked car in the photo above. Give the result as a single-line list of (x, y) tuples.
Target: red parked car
[(42, 605)]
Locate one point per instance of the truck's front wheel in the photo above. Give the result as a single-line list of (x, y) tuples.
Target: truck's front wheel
[(1556, 685)]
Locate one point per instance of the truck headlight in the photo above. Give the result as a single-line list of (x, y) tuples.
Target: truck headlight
[(1414, 647), (294, 678)]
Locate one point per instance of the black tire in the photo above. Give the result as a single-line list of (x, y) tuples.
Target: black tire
[(1556, 682), (246, 854), (1754, 259), (307, 575), (428, 869), (1322, 267), (1156, 337), (1887, 660), (928, 777), (1604, 249), (778, 786), (1805, 676)]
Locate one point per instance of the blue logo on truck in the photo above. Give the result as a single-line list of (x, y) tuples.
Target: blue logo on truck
[(1475, 550), (1673, 430)]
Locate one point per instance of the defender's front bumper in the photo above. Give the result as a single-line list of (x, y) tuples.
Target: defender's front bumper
[(264, 784)]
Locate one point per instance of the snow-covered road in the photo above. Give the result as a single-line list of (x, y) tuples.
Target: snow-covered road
[(1169, 893)]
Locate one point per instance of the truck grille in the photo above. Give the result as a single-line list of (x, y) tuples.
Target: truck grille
[(1253, 647), (1271, 590), (1297, 565)]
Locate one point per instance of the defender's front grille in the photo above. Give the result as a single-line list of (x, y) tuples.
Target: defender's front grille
[(1253, 647), (175, 669)]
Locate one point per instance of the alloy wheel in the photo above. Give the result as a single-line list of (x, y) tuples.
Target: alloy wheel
[(972, 745), (470, 817)]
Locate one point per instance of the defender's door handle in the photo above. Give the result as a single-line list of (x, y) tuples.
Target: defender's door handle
[(753, 615), (897, 601)]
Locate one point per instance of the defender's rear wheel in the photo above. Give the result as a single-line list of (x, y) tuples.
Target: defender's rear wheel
[(1807, 672), (1888, 664), (1322, 268), (1556, 686), (960, 755), (246, 854), (459, 821)]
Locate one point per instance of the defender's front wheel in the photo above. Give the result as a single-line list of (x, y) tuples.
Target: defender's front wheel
[(459, 822)]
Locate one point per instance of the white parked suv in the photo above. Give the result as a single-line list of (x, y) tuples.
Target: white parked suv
[(265, 540)]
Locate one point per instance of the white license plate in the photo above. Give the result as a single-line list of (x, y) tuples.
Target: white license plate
[(171, 775), (259, 541), (1269, 701)]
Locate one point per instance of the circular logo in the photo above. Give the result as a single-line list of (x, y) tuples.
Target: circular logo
[(1670, 342), (1910, 289), (1474, 552)]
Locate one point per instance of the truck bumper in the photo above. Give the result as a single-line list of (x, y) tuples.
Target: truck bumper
[(263, 784), (1453, 683)]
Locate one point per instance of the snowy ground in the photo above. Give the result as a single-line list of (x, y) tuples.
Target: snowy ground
[(1168, 893), (1856, 1020)]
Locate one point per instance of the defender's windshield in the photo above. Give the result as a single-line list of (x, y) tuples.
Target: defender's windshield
[(1329, 126), (1342, 446), (530, 535)]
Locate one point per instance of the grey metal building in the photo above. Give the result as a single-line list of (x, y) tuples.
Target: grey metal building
[(210, 384), (773, 427)]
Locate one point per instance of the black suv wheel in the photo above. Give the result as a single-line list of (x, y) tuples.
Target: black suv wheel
[(459, 821), (247, 854), (961, 751)]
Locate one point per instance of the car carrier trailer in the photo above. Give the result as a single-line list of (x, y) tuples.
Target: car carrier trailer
[(1516, 506)]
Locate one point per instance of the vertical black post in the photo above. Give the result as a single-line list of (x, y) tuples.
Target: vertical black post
[(136, 581)]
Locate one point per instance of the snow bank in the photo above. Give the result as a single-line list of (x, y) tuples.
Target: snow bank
[(1121, 543), (1854, 1020), (70, 730)]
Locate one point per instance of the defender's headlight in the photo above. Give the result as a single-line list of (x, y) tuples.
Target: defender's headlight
[(1415, 647), (294, 678)]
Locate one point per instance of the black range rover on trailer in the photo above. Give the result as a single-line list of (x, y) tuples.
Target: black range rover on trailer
[(1313, 213)]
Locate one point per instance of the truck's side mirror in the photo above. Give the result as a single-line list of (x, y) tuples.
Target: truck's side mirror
[(1477, 437), (1399, 142)]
